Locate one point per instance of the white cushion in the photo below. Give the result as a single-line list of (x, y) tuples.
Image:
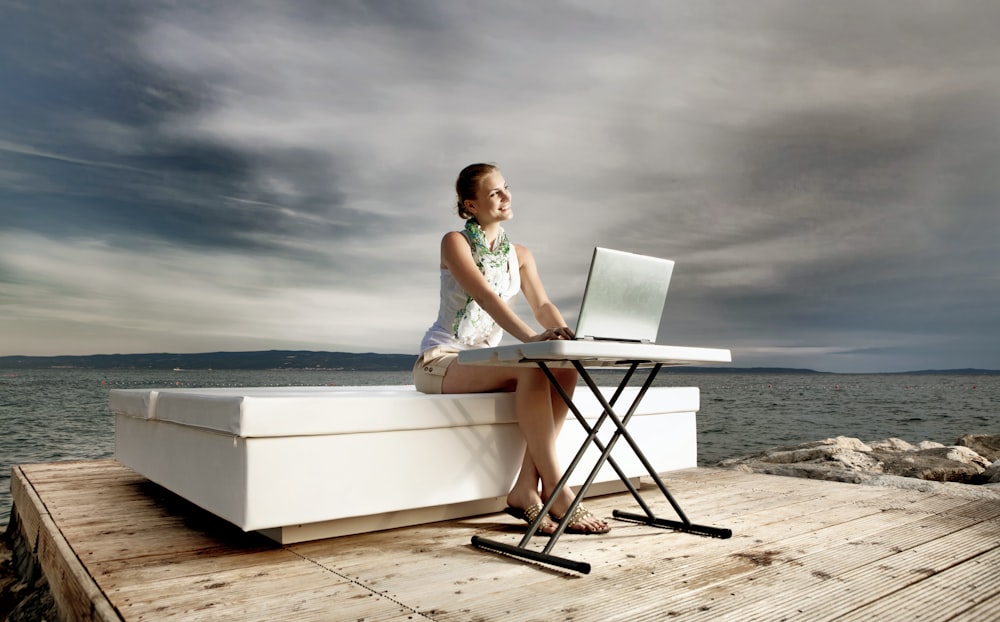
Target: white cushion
[(309, 411)]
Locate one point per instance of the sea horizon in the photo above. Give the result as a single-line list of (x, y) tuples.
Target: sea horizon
[(323, 360)]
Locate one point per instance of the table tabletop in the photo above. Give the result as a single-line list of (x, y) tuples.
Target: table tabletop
[(592, 354)]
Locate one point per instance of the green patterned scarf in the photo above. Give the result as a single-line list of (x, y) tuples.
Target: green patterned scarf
[(472, 325)]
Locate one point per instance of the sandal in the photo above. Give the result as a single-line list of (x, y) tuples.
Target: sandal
[(579, 515), (529, 514)]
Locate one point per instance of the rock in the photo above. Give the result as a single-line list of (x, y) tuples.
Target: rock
[(986, 445), (928, 464), (963, 454), (940, 464), (991, 476), (946, 488), (888, 462), (846, 442), (10, 583), (830, 449), (860, 461), (892, 444), (808, 471), (24, 592), (37, 604)]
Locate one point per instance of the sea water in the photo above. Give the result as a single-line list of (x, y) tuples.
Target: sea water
[(62, 414)]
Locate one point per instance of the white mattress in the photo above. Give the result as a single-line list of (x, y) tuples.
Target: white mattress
[(309, 411), (280, 457)]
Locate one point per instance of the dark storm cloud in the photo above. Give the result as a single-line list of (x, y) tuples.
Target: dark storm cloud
[(88, 150)]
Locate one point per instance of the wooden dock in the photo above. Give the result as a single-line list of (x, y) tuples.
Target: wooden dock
[(116, 547)]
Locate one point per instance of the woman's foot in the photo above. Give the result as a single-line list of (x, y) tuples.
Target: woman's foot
[(529, 514), (582, 520), (527, 506)]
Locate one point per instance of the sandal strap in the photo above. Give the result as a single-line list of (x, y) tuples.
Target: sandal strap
[(580, 514), (532, 511)]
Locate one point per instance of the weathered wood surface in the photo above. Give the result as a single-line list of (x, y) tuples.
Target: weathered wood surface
[(119, 545)]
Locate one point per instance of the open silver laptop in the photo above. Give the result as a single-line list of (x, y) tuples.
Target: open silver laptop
[(624, 297)]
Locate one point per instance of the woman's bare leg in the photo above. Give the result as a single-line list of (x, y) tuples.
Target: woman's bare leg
[(528, 478), (481, 379), (540, 413)]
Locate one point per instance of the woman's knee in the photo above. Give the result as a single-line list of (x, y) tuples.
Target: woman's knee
[(535, 377), (566, 377), (478, 379)]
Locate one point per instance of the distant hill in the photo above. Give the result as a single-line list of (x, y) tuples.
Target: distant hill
[(350, 361), (270, 359), (955, 372)]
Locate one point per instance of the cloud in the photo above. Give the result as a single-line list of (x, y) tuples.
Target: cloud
[(825, 174), (194, 297)]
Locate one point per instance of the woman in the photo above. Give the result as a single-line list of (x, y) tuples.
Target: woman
[(481, 271)]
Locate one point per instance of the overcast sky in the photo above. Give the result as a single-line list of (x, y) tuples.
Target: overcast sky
[(190, 176)]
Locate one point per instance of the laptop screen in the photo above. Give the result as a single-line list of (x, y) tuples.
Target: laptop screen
[(624, 297)]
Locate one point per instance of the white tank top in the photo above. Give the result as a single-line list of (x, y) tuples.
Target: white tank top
[(478, 330)]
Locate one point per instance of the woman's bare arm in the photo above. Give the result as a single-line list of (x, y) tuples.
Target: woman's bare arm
[(456, 257), (545, 310)]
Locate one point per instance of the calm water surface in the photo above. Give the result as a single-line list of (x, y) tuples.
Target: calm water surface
[(62, 414)]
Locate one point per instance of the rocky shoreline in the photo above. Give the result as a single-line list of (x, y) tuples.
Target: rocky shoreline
[(970, 468), (24, 592)]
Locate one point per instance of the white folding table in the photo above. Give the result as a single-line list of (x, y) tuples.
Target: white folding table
[(581, 355)]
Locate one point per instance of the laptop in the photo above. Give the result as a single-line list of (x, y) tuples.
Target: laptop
[(624, 297)]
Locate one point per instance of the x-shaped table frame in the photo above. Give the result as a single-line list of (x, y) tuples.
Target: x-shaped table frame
[(648, 518)]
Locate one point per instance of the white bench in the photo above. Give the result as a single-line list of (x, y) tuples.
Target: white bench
[(303, 463)]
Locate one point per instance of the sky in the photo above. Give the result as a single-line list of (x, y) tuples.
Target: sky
[(237, 175)]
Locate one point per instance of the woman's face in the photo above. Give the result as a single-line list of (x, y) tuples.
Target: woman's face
[(492, 202)]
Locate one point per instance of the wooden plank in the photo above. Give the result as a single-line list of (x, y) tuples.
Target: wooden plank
[(122, 573), (53, 473), (832, 581), (910, 568), (801, 548), (77, 494), (246, 590), (633, 553), (480, 574), (180, 540), (707, 564), (66, 492), (985, 611), (960, 587), (134, 528), (73, 589), (27, 507)]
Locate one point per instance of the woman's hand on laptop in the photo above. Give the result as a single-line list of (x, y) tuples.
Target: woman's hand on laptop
[(553, 334)]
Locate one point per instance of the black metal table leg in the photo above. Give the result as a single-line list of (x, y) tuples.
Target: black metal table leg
[(684, 524), (531, 554), (545, 556)]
